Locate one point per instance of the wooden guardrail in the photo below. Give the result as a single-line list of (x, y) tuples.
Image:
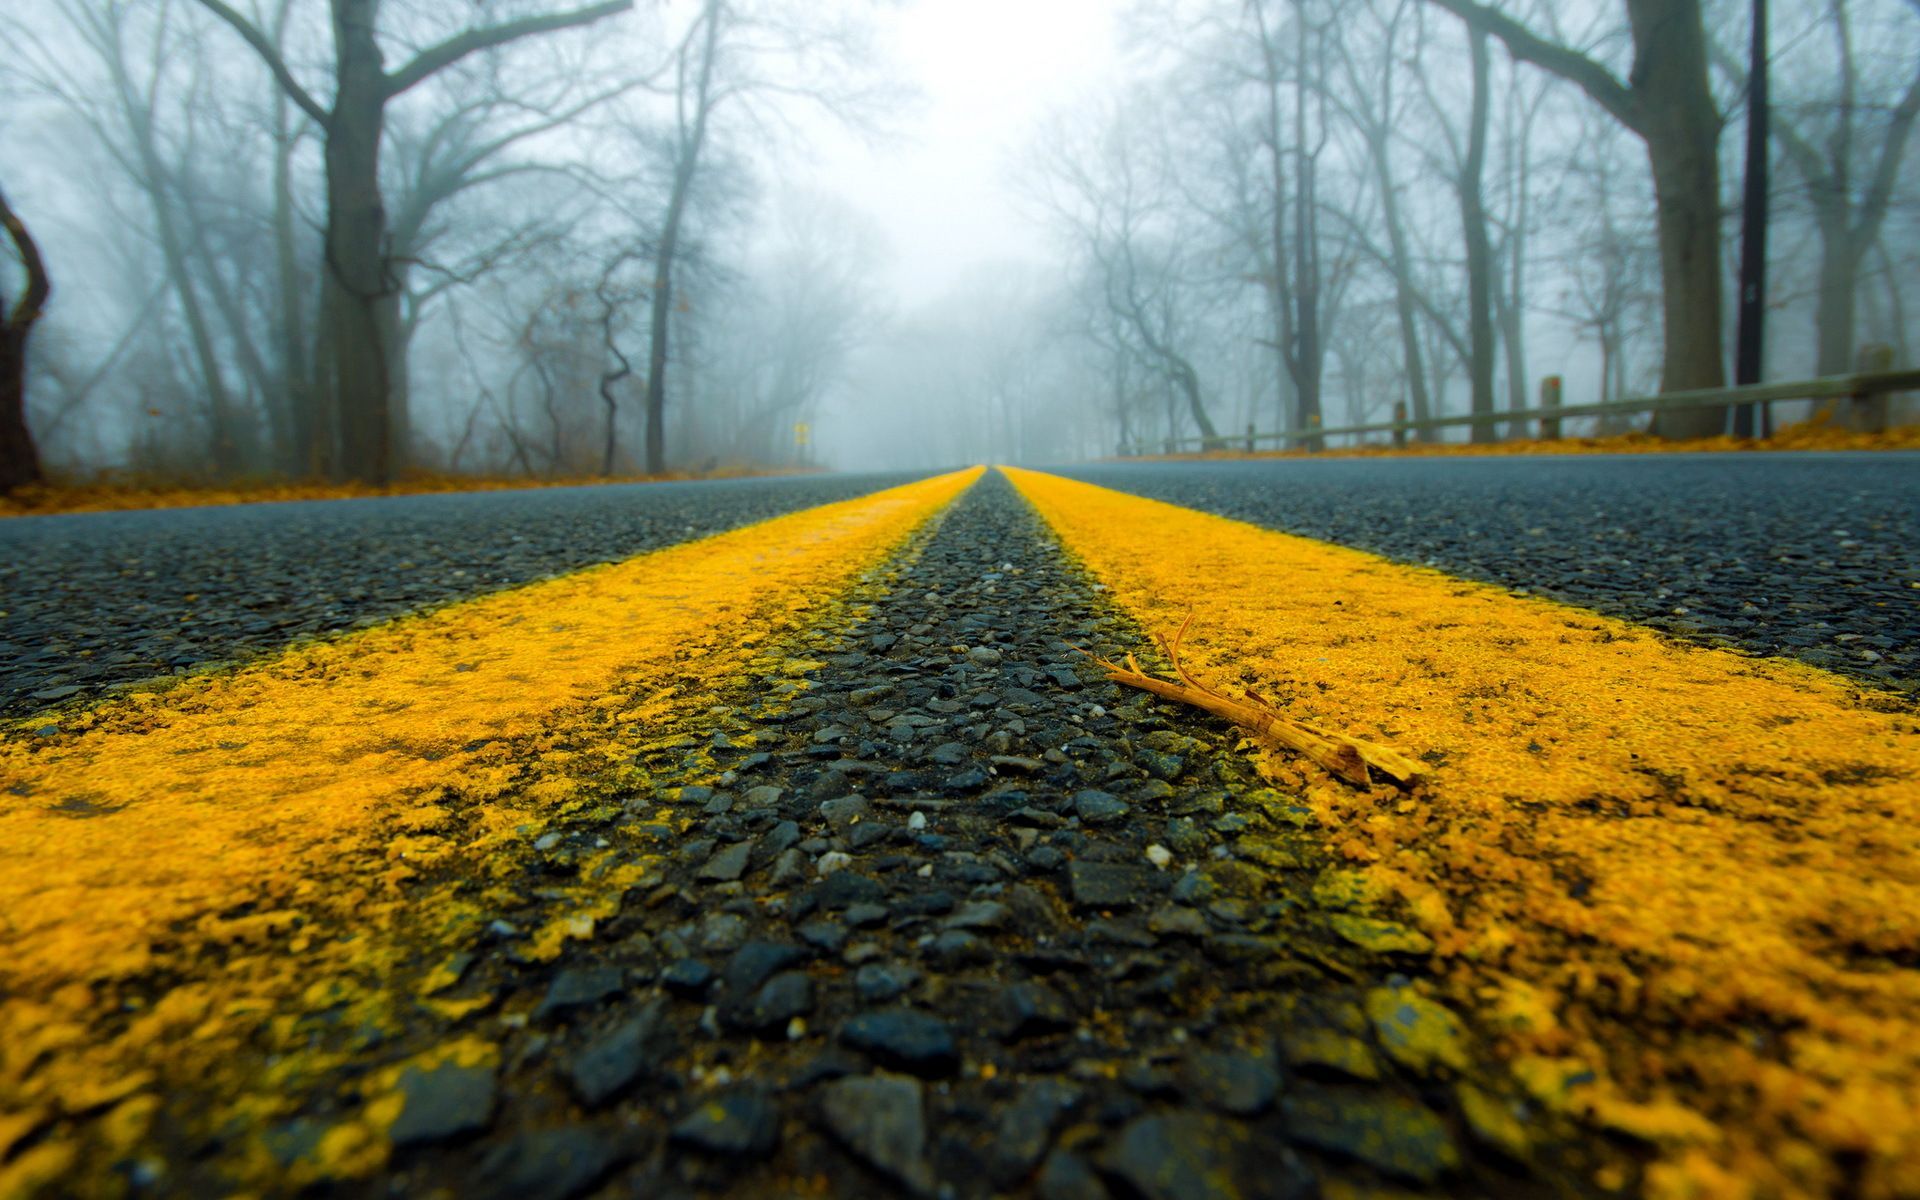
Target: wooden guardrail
[(1865, 393)]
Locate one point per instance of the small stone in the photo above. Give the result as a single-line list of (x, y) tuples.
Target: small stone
[(1106, 885), (1033, 1010), (881, 1120), (843, 889), (608, 1064), (1382, 937), (755, 963), (1231, 1083), (845, 812), (764, 796), (1194, 1156), (1316, 1047), (442, 1102), (1177, 920), (781, 1000), (1186, 837), (728, 864), (984, 656), (579, 987), (1066, 1176), (957, 948), (545, 1164), (1026, 1129), (722, 931), (832, 861), (1096, 807), (828, 937), (865, 916), (903, 1039), (1159, 856), (1414, 1031), (788, 869), (948, 754), (687, 977), (1494, 1122), (1387, 1132), (742, 1123), (917, 821), (877, 983), (978, 914)]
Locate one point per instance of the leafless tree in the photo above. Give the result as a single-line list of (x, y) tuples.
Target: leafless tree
[(19, 459), (1666, 100), (360, 298)]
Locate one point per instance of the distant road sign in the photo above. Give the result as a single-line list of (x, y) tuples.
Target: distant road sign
[(802, 434)]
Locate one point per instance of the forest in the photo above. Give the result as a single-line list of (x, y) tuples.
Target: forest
[(359, 239)]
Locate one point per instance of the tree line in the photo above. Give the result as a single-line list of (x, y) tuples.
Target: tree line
[(346, 239), (1293, 204)]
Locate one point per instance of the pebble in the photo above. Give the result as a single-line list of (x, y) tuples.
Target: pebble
[(608, 1065), (745, 1123), (546, 1164), (442, 1102), (903, 1039), (881, 1119)]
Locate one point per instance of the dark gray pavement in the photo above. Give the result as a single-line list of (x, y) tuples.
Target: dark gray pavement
[(1816, 556), (89, 600)]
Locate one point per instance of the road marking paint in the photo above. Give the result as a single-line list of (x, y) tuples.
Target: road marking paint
[(179, 864), (1692, 870)]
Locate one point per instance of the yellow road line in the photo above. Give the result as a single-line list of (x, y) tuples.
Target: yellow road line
[(202, 833), (1693, 871)]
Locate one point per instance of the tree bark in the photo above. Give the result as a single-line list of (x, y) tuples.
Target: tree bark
[(692, 142), (19, 457), (1670, 106), (1473, 225)]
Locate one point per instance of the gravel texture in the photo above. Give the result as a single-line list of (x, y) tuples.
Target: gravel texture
[(997, 928), (95, 599), (1812, 555)]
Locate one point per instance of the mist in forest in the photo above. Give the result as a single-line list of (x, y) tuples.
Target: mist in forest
[(356, 239)]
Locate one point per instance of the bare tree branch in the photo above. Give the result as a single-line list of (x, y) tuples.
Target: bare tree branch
[(438, 58), (270, 55)]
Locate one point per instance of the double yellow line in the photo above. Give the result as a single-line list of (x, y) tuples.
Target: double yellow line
[(1678, 887)]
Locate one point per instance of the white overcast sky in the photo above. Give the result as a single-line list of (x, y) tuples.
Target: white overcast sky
[(988, 70)]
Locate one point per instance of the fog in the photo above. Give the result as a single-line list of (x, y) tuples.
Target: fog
[(714, 234)]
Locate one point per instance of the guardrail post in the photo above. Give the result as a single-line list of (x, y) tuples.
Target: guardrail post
[(1400, 421), (1550, 398), (1313, 428), (1868, 411), (1249, 437)]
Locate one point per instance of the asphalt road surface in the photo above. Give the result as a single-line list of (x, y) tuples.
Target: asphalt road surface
[(1815, 556), (95, 599), (883, 888)]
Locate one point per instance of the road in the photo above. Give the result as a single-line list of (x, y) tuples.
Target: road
[(819, 856), (92, 600)]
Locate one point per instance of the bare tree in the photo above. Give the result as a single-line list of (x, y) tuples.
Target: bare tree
[(1849, 179), (1667, 102), (360, 299), (19, 459)]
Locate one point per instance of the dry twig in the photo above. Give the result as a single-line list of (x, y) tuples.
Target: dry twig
[(1347, 758)]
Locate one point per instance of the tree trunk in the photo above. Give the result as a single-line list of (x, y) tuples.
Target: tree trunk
[(359, 298), (1307, 349), (1473, 223), (1840, 255), (1682, 131), (19, 458), (659, 322)]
